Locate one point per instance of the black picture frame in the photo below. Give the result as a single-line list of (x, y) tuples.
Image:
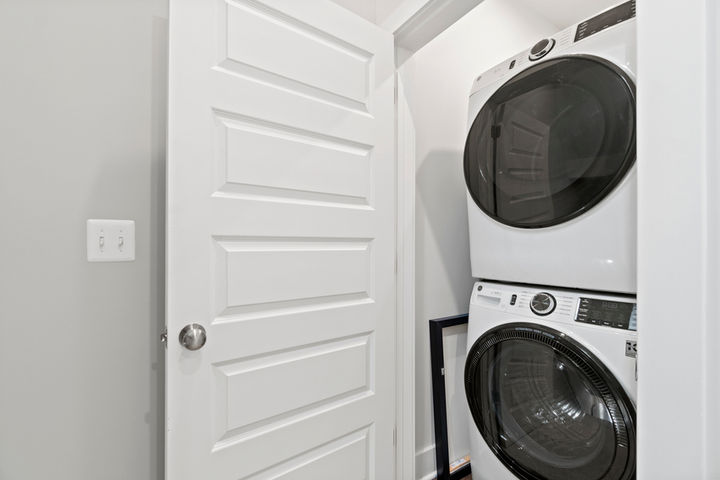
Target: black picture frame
[(437, 362)]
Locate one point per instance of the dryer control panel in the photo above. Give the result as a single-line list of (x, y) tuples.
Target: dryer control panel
[(606, 19), (563, 42)]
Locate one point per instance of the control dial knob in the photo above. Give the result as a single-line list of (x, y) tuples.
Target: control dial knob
[(541, 48), (542, 304)]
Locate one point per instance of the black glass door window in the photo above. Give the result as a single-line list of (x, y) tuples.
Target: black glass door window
[(552, 142), (548, 408)]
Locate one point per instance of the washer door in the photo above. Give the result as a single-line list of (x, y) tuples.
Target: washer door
[(552, 142), (547, 407)]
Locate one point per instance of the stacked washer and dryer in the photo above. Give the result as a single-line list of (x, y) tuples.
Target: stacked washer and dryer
[(551, 373)]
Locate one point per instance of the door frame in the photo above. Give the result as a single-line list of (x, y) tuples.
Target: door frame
[(678, 238), (405, 278), (414, 24)]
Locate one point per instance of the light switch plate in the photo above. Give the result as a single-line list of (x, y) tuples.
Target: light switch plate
[(110, 240)]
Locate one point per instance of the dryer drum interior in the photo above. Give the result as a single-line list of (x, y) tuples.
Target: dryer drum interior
[(552, 142), (547, 407)]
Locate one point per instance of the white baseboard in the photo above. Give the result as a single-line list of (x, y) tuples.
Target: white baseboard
[(425, 463)]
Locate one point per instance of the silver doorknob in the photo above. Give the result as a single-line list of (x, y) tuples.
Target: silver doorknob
[(193, 336)]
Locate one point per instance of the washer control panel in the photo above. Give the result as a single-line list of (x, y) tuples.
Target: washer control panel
[(608, 313), (555, 304)]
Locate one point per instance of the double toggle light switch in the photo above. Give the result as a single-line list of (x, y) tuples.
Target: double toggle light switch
[(110, 240)]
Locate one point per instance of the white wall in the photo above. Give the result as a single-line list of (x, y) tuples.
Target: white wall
[(564, 13), (438, 79), (376, 12), (364, 8), (82, 135), (385, 8)]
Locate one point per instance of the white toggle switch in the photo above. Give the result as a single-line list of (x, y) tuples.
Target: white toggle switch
[(110, 240)]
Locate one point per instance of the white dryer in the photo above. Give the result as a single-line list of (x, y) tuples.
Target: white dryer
[(549, 160), (551, 380)]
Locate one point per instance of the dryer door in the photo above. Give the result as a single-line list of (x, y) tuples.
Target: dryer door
[(547, 407), (552, 142)]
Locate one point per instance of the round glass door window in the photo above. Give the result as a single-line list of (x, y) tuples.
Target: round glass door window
[(552, 142), (548, 408)]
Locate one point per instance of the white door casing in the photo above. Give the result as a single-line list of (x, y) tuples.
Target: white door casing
[(280, 242)]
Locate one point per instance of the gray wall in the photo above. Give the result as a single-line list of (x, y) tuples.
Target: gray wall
[(82, 135)]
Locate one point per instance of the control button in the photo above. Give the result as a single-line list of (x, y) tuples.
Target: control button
[(542, 304), (479, 288), (541, 48), (513, 299)]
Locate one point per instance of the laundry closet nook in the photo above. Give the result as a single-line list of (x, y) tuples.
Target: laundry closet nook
[(544, 157)]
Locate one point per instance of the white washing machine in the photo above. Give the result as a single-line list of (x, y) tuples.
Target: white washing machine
[(549, 160), (551, 381)]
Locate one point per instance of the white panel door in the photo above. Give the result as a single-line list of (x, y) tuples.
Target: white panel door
[(281, 242)]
